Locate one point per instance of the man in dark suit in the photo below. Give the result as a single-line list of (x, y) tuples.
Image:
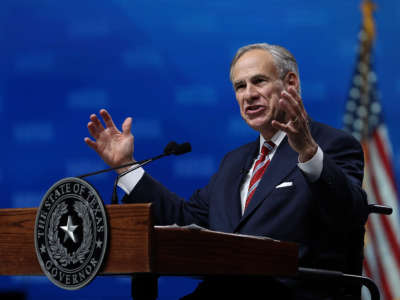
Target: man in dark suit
[(300, 181)]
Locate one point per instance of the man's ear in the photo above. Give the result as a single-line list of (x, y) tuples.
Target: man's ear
[(291, 79)]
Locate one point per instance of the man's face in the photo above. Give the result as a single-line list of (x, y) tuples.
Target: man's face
[(258, 88)]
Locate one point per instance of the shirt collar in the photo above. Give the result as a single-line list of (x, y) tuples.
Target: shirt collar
[(277, 138)]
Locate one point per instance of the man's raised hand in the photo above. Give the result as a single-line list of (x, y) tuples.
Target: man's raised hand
[(296, 126), (113, 146)]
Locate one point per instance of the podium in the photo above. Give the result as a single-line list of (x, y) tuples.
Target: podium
[(136, 246)]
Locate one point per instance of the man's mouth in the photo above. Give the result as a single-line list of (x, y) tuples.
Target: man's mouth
[(254, 109)]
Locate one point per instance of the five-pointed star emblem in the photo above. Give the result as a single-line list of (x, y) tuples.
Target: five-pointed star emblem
[(98, 243), (69, 229)]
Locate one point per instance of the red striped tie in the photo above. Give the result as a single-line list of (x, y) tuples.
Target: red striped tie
[(259, 169)]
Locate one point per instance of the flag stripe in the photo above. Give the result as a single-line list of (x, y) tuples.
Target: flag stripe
[(369, 265), (387, 228), (380, 229), (383, 260), (372, 257), (384, 190), (385, 137), (381, 266), (383, 255), (384, 156), (367, 270)]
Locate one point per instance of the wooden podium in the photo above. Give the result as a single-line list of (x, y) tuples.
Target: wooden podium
[(136, 246)]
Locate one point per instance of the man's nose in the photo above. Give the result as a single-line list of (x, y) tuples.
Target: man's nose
[(251, 92)]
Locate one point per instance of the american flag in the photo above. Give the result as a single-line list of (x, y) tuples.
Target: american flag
[(364, 119)]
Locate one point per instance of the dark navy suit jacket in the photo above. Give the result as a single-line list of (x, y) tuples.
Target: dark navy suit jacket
[(323, 216)]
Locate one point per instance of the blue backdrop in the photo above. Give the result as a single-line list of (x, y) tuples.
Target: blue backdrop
[(165, 63)]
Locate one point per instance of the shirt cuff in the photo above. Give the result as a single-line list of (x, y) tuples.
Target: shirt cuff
[(128, 181), (313, 167)]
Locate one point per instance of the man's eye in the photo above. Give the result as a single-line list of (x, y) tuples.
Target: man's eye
[(259, 80), (239, 86)]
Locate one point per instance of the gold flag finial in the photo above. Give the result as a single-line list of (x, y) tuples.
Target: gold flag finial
[(368, 7)]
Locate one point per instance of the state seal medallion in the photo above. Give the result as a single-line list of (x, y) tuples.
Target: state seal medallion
[(71, 233)]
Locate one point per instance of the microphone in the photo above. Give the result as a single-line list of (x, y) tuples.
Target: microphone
[(182, 149), (171, 148)]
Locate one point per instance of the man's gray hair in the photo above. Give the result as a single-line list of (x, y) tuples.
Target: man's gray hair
[(284, 60)]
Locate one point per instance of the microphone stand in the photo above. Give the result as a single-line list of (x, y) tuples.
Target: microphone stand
[(113, 169), (171, 148)]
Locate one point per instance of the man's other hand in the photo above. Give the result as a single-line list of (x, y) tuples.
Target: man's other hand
[(113, 146)]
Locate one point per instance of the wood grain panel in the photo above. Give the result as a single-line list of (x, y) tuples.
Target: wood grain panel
[(204, 252), (17, 246), (129, 238), (129, 249)]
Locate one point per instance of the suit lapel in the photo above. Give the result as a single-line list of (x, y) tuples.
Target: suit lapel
[(233, 202), (283, 162)]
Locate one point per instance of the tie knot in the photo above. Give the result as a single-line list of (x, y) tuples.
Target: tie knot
[(267, 147)]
